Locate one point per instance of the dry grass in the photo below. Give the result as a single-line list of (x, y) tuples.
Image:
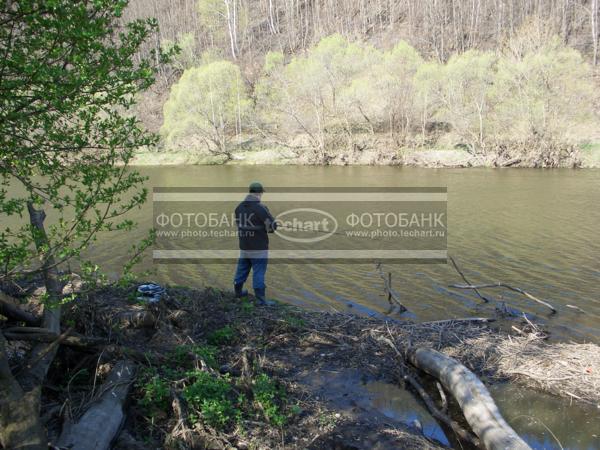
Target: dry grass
[(564, 369)]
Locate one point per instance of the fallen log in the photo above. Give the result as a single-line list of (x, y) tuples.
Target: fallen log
[(45, 335), (126, 441), (439, 415), (12, 310), (101, 423), (477, 404), (443, 419)]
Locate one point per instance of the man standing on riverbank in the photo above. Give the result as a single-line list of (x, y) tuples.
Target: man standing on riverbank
[(254, 222)]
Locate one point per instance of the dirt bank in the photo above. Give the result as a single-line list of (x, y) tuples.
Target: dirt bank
[(248, 376)]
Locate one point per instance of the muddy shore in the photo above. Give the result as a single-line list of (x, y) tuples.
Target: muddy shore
[(269, 364)]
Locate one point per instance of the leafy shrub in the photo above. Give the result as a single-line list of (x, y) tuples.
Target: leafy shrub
[(268, 394), (156, 395), (208, 102), (212, 397), (207, 353)]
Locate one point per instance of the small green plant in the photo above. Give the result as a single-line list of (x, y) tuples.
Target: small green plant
[(327, 420), (222, 336), (294, 322), (155, 395), (207, 353), (269, 395), (295, 410), (247, 306), (211, 396)]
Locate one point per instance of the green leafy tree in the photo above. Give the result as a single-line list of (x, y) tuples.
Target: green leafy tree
[(384, 95), (428, 82), (542, 94), (461, 93), (69, 75), (209, 103), (306, 95)]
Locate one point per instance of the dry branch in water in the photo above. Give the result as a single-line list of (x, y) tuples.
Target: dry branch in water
[(392, 295), (507, 286), (466, 280)]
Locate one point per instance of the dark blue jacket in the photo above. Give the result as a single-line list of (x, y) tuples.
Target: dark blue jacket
[(254, 222)]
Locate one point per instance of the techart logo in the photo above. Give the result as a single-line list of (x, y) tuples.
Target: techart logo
[(305, 225)]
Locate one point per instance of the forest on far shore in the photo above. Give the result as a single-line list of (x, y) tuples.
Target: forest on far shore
[(320, 79)]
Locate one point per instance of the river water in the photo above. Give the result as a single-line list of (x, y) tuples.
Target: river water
[(534, 229)]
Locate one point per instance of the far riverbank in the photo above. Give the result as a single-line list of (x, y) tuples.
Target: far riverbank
[(586, 156)]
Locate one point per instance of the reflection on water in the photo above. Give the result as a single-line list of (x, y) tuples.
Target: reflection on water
[(548, 422), (544, 421)]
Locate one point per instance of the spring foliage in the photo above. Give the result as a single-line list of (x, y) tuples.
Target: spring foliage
[(209, 102), (340, 91), (69, 76)]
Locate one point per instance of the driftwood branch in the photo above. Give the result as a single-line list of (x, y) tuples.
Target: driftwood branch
[(439, 415), (101, 423), (463, 320), (506, 286), (477, 404), (392, 296), (462, 275), (576, 308)]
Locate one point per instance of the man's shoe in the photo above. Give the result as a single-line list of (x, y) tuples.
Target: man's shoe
[(261, 299), (239, 291)]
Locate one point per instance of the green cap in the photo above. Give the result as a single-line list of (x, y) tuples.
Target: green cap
[(256, 187)]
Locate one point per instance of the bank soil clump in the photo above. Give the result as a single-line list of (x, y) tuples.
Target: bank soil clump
[(213, 371)]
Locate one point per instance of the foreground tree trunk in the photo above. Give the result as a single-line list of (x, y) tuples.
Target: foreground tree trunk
[(42, 354), (477, 404), (20, 425)]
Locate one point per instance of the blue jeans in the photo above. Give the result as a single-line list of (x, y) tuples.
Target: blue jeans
[(259, 268)]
